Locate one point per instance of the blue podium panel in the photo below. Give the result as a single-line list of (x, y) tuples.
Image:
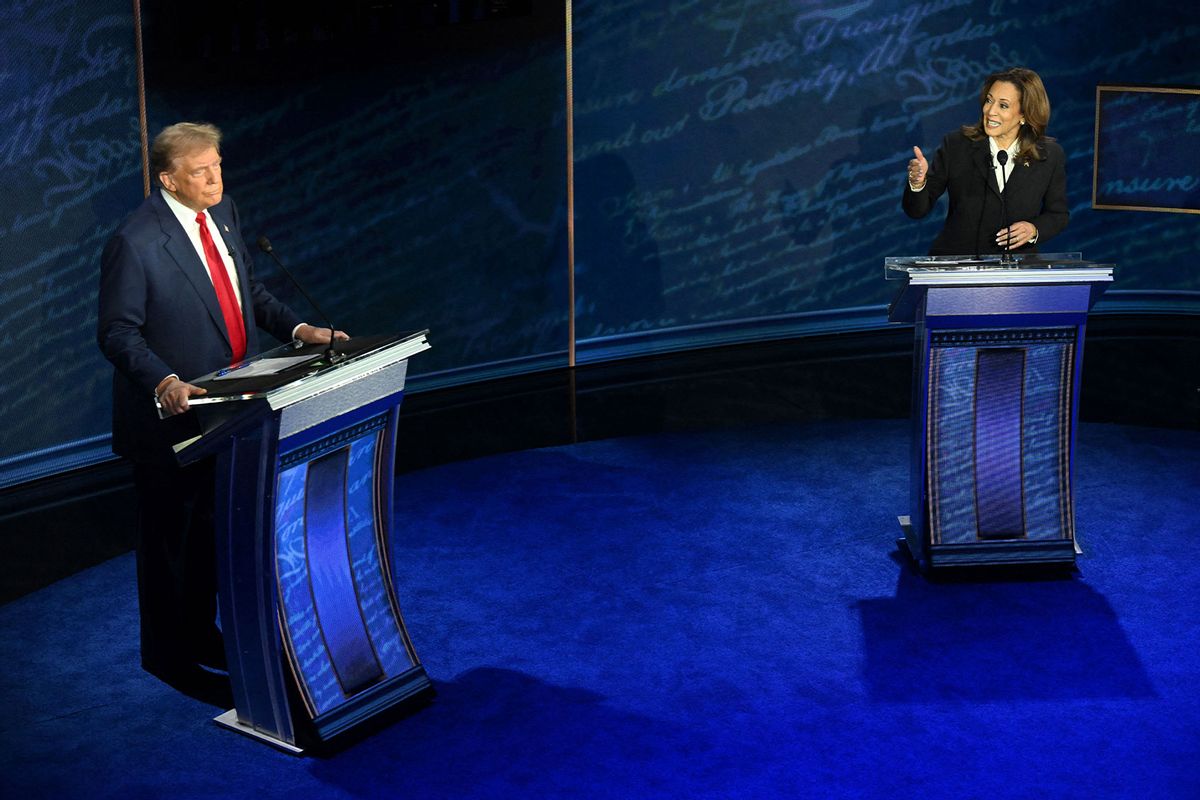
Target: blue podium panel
[(997, 356), (998, 437), (342, 629)]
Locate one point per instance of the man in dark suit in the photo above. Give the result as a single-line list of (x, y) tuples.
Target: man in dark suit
[(178, 299), (1033, 179)]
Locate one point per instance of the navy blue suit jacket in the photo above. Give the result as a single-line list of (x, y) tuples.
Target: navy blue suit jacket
[(159, 315), (1035, 192)]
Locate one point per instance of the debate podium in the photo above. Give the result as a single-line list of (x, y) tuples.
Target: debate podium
[(304, 445), (996, 370)]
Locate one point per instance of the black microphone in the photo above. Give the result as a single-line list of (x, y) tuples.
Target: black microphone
[(264, 244), (1002, 157)]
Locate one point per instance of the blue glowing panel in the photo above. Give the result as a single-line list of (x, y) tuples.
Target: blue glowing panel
[(1047, 436), (999, 384), (999, 440), (334, 593), (365, 542), (301, 634), (951, 444), (340, 615)]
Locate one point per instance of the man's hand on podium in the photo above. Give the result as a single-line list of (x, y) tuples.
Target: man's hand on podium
[(313, 335), (173, 394)]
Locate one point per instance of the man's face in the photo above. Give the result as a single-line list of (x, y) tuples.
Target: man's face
[(195, 178)]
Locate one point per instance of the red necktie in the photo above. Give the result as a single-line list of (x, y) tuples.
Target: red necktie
[(230, 309)]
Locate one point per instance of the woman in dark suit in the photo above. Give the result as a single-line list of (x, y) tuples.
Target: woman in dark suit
[(1015, 112)]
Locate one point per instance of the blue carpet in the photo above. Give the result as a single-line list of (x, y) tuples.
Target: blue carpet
[(717, 614)]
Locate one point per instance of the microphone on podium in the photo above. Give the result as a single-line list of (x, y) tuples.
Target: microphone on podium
[(264, 244), (1002, 158)]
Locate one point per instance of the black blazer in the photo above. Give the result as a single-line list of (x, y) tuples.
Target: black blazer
[(1036, 192), (159, 315)]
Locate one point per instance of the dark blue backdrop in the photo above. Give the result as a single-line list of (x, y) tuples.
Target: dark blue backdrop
[(738, 168), (70, 157)]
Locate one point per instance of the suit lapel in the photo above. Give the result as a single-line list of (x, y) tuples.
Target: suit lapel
[(1023, 173), (179, 248)]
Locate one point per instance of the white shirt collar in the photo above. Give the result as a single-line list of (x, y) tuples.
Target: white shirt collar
[(1012, 148), (185, 215)]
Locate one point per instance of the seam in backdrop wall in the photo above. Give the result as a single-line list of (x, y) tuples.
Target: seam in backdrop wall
[(141, 93), (570, 123)]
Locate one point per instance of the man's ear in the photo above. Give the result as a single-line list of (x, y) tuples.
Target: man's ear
[(164, 178)]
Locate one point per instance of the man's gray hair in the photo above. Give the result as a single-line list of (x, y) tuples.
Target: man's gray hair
[(177, 140)]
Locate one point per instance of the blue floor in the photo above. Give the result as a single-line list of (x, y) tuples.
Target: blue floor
[(715, 614)]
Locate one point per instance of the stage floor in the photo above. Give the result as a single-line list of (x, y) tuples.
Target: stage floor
[(716, 614)]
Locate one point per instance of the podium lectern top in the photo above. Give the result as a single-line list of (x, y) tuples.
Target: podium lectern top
[(922, 274), (297, 383), (293, 372), (969, 270)]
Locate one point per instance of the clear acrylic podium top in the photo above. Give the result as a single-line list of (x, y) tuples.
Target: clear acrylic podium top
[(1034, 267), (921, 274)]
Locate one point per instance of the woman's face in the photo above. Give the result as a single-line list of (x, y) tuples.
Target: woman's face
[(1002, 112)]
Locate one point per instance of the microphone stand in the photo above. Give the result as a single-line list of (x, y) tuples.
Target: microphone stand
[(331, 357), (1007, 256)]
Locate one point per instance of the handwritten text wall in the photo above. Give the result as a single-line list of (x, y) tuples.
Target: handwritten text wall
[(71, 159)]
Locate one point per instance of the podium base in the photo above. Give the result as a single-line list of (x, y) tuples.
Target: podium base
[(907, 545), (986, 553), (229, 720)]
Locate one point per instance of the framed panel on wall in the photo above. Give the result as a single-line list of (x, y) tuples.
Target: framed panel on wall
[(1147, 155)]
